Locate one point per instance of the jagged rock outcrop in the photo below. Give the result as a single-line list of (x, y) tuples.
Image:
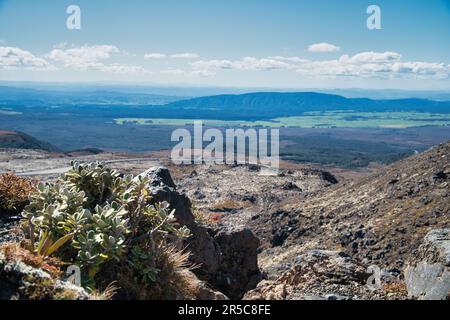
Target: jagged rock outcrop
[(201, 290), (21, 281), (326, 275), (205, 251), (227, 259), (325, 267), (163, 189), (269, 290), (314, 274), (428, 274)]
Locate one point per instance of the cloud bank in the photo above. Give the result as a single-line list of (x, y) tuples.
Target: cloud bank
[(13, 58), (91, 58), (379, 65), (109, 59)]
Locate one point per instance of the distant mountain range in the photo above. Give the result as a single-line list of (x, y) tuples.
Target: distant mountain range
[(181, 91), (247, 106), (100, 96), (268, 105)]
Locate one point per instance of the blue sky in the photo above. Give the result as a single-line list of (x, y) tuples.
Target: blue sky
[(260, 43)]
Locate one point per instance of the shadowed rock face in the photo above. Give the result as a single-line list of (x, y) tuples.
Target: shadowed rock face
[(428, 274), (227, 259), (238, 272)]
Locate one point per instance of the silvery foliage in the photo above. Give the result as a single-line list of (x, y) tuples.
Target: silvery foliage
[(106, 214)]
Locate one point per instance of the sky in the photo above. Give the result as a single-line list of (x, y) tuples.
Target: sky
[(230, 43)]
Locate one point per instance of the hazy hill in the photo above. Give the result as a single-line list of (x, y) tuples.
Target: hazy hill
[(19, 140), (266, 105)]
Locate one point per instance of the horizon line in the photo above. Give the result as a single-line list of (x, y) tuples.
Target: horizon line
[(206, 86)]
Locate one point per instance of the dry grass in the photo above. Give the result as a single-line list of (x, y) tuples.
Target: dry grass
[(207, 218), (107, 294), (396, 288), (227, 205), (14, 193), (13, 252), (172, 282)]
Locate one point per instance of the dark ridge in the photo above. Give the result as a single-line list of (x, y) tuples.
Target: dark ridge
[(20, 140)]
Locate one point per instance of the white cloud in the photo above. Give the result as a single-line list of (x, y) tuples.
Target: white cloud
[(364, 65), (186, 55), (248, 63), (122, 69), (289, 59), (265, 64), (155, 56), (373, 57), (104, 58), (173, 72), (212, 65), (92, 58), (323, 47), (12, 58), (422, 68), (374, 65), (84, 57)]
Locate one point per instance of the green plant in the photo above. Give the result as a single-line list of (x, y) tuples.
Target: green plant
[(100, 221), (46, 245)]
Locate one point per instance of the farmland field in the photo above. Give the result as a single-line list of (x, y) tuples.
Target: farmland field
[(326, 119)]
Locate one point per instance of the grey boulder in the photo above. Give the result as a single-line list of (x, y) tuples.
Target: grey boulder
[(427, 275)]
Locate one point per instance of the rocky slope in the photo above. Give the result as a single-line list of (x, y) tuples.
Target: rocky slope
[(380, 219), (233, 196), (304, 215)]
